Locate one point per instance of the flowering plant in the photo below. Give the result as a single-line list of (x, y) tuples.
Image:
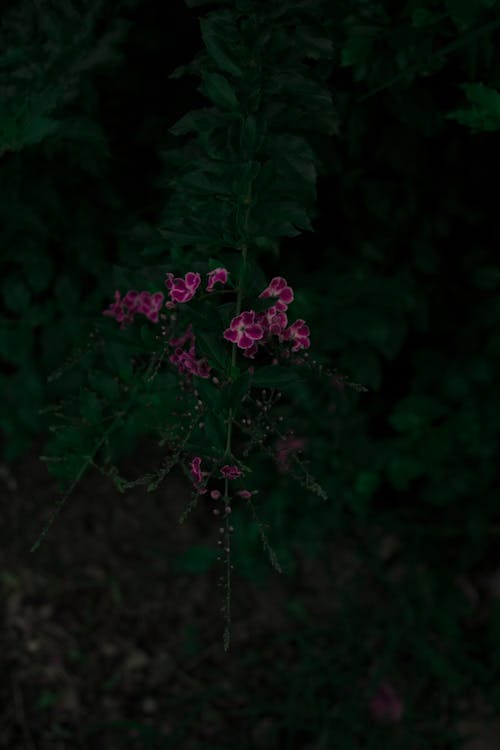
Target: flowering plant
[(213, 376), (225, 364)]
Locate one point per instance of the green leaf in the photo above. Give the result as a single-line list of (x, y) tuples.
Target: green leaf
[(91, 407), (205, 119), (312, 45), (104, 384), (254, 281), (197, 181), (211, 396), (252, 134), (237, 390), (206, 317), (222, 41), (484, 111), (214, 431), (148, 337), (280, 217), (211, 346), (219, 90), (246, 175)]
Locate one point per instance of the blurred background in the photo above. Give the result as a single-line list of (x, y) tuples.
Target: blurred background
[(383, 630)]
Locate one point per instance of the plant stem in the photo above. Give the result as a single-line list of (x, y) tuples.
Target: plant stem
[(227, 452), (239, 299)]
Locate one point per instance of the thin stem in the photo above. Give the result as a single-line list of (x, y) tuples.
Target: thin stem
[(239, 299), (227, 452)]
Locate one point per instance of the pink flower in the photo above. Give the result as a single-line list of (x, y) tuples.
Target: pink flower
[(273, 320), (135, 302), (386, 705), (243, 330), (182, 290), (186, 361), (298, 332), (149, 304), (251, 351), (217, 275), (278, 288), (215, 494), (230, 472), (198, 474)]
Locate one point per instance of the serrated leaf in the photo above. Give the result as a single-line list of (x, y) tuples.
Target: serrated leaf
[(220, 91), (312, 45), (211, 346), (222, 41)]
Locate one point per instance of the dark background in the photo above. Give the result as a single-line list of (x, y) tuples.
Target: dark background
[(112, 629)]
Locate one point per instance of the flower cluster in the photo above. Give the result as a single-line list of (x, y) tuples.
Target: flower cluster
[(246, 330), (278, 288), (186, 361), (226, 472), (135, 302), (182, 290), (243, 330), (249, 328)]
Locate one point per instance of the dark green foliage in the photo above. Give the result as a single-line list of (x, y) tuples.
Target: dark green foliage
[(483, 113), (334, 139), (51, 143)]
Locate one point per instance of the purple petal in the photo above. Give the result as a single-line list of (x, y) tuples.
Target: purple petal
[(254, 332), (245, 342)]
